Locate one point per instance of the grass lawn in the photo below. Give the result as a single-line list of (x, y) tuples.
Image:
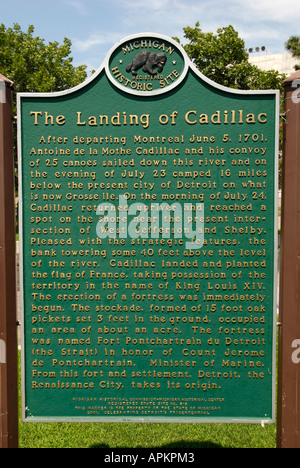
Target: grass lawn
[(104, 435)]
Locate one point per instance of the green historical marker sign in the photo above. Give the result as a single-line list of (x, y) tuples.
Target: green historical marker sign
[(148, 244)]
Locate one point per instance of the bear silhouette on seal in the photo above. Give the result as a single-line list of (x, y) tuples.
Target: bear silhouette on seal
[(147, 60)]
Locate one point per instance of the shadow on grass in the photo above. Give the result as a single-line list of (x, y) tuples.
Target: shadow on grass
[(192, 444), (180, 444)]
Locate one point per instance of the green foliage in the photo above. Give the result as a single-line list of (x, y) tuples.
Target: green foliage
[(35, 66), (293, 45), (222, 58)]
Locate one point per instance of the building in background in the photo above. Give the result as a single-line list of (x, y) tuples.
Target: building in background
[(283, 63)]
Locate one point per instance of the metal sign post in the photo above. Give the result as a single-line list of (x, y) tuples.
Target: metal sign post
[(8, 333), (289, 338)]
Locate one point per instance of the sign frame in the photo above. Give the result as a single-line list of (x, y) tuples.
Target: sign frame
[(8, 299), (188, 65)]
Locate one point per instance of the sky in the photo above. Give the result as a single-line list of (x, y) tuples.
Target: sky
[(95, 26)]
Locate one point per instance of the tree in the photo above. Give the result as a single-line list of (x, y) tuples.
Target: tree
[(35, 66), (293, 45), (222, 58)]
